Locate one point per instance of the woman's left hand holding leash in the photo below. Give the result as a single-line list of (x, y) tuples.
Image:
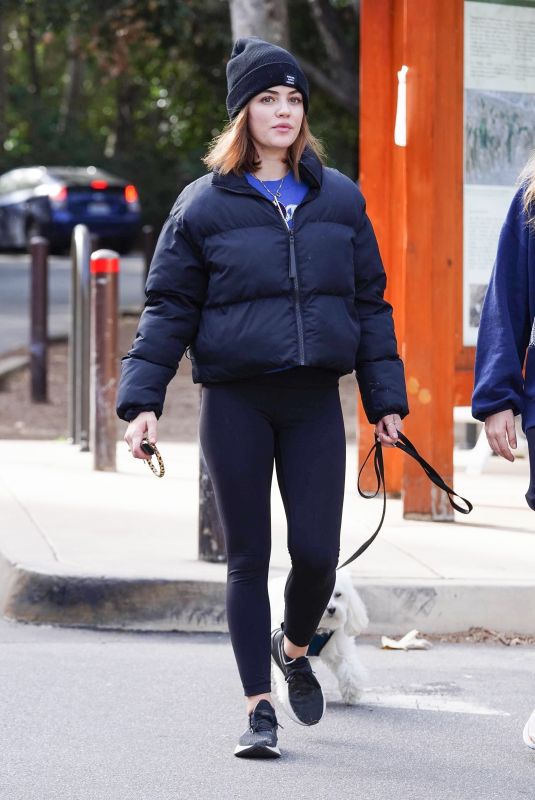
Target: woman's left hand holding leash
[(387, 429)]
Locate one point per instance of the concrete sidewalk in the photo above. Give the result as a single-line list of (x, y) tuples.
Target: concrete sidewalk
[(119, 550)]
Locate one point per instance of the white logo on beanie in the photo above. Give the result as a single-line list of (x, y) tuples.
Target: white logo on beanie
[(290, 79)]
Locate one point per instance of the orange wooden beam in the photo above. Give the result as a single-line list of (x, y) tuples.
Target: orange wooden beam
[(434, 241), (376, 160), (414, 197)]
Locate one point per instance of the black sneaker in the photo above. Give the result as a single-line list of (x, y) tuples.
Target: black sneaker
[(260, 738), (302, 699)]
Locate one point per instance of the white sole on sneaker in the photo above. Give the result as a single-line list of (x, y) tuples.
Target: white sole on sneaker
[(529, 731), (527, 738), (256, 751), (283, 695), (285, 700)]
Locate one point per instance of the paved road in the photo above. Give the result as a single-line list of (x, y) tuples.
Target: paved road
[(92, 715), (15, 289)]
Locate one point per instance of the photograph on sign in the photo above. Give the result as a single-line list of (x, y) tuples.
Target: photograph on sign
[(499, 134)]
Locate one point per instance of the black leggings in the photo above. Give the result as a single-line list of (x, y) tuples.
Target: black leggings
[(530, 494), (294, 419)]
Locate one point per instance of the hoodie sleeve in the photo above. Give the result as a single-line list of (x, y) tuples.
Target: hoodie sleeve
[(175, 291), (379, 369), (505, 325)]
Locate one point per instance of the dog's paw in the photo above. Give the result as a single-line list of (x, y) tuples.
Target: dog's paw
[(351, 695), (277, 683)]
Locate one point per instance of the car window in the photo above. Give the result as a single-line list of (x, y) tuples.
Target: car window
[(30, 178), (8, 182), (21, 179)]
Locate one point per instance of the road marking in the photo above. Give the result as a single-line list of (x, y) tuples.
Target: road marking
[(426, 702)]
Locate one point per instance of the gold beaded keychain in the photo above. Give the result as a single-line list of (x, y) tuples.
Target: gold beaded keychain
[(152, 450)]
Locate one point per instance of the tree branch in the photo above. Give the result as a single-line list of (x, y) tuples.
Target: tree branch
[(342, 89), (326, 22)]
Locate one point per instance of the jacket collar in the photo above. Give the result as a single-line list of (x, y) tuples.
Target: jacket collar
[(310, 170)]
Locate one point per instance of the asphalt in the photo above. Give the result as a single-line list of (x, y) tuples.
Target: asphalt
[(15, 297), (120, 550)]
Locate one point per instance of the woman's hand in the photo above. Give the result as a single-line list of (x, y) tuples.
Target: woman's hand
[(144, 425), (387, 429), (501, 433)]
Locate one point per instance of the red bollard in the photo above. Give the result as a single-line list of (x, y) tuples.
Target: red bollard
[(104, 368)]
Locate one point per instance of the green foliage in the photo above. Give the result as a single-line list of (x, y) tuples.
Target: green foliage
[(150, 92)]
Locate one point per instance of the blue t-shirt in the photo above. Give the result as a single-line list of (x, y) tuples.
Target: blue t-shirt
[(292, 193)]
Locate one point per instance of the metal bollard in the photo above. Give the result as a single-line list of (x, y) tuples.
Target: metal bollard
[(149, 245), (79, 338), (104, 371), (39, 319)]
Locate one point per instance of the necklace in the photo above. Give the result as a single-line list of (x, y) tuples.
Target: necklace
[(276, 194)]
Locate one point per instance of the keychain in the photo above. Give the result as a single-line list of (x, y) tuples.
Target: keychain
[(152, 450)]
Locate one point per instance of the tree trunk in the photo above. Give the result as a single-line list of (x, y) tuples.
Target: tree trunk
[(126, 101), (340, 79), (34, 78), (70, 106), (267, 19), (3, 86)]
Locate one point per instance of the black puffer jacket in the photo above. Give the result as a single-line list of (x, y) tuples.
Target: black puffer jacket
[(245, 295)]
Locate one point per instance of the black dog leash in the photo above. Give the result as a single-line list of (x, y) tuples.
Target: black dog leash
[(407, 446)]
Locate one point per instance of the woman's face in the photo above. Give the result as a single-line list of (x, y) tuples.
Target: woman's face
[(275, 116)]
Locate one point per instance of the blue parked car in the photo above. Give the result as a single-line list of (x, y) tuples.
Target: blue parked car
[(50, 201)]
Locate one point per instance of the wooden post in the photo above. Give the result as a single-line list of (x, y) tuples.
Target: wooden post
[(377, 181), (211, 536), (434, 236), (414, 196), (148, 241), (39, 319)]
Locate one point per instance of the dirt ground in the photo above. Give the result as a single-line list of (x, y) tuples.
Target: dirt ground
[(22, 419), (483, 636)]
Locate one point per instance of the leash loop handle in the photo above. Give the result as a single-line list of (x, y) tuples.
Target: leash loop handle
[(407, 446)]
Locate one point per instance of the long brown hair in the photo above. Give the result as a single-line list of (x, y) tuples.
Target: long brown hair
[(233, 150), (527, 181)]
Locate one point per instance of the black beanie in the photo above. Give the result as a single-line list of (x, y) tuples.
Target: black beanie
[(256, 65)]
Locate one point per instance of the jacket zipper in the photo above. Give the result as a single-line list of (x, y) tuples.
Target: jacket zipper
[(292, 272)]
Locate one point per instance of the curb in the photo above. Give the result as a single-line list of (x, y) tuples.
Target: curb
[(11, 364), (14, 360), (117, 603), (33, 595)]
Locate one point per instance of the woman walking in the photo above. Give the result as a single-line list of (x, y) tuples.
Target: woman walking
[(505, 354), (268, 271)]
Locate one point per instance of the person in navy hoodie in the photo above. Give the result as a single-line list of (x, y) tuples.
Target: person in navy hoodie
[(267, 272), (505, 353)]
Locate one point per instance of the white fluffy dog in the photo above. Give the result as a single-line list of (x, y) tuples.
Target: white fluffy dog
[(344, 618)]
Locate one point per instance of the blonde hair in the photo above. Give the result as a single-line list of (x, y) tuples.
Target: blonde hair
[(527, 181), (233, 150)]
